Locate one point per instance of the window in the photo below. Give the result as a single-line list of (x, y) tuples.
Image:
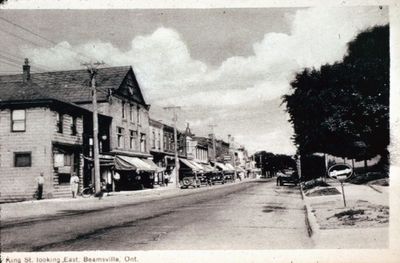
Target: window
[(131, 113), (132, 139), (67, 159), (18, 120), (120, 137), (22, 159), (60, 122), (123, 110), (138, 115), (153, 140), (74, 130), (143, 142), (159, 141), (64, 178), (165, 142)]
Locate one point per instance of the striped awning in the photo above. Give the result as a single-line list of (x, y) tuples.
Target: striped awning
[(132, 163), (189, 164), (230, 167)]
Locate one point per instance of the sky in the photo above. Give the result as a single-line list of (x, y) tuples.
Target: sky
[(226, 67)]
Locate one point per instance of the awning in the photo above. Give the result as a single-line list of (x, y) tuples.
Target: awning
[(189, 164), (230, 167), (199, 166), (221, 166), (132, 163), (240, 169), (153, 165), (208, 168)]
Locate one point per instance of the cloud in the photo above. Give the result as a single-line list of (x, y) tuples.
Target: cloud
[(169, 75)]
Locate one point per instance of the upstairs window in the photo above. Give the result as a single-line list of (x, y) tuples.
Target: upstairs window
[(22, 159), (153, 140), (131, 116), (132, 139), (18, 120), (120, 137), (139, 121), (60, 123), (143, 142), (74, 130), (123, 110)]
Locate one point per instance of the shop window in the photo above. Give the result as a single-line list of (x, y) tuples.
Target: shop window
[(22, 159), (18, 120), (64, 178)]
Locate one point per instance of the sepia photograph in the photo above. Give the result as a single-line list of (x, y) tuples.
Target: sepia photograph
[(195, 128)]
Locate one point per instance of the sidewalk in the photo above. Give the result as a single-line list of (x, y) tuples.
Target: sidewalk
[(363, 223), (49, 208)]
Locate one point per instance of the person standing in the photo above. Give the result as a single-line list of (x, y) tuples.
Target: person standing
[(40, 183), (74, 183)]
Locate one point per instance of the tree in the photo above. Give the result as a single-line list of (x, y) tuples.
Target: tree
[(343, 108)]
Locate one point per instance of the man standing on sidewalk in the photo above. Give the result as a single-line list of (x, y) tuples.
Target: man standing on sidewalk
[(74, 183), (40, 182)]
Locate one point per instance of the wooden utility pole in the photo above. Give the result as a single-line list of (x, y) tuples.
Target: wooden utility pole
[(232, 150), (175, 120), (92, 69), (213, 141)]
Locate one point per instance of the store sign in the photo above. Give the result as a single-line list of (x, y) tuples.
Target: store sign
[(340, 171), (58, 160), (227, 158)]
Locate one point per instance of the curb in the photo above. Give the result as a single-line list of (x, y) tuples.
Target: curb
[(310, 219), (375, 188)]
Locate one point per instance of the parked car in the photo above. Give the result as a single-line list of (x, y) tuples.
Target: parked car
[(190, 179), (217, 178), (229, 177), (287, 176)]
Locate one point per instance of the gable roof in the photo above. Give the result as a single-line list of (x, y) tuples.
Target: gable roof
[(70, 86)]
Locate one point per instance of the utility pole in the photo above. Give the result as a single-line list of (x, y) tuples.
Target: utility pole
[(175, 119), (232, 150), (213, 141), (92, 69)]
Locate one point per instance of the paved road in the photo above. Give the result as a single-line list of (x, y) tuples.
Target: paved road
[(251, 215)]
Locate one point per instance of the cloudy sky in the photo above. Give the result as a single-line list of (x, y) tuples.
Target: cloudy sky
[(227, 67)]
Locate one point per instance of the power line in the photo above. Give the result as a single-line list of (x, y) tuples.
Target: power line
[(44, 38)]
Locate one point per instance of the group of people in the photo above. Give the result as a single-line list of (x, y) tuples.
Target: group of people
[(74, 184)]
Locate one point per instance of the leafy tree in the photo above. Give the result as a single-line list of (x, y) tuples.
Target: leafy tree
[(343, 109)]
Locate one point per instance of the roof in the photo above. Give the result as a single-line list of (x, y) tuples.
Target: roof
[(17, 91), (28, 92), (70, 85)]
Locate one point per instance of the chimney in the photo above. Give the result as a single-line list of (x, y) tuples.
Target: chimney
[(26, 71)]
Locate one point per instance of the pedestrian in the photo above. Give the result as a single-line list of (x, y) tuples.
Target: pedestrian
[(40, 183), (116, 178), (166, 179), (74, 183)]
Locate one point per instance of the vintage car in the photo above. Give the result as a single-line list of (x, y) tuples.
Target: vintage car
[(287, 176), (229, 177), (217, 177), (191, 180)]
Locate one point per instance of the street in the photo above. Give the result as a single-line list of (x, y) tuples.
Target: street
[(249, 215)]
